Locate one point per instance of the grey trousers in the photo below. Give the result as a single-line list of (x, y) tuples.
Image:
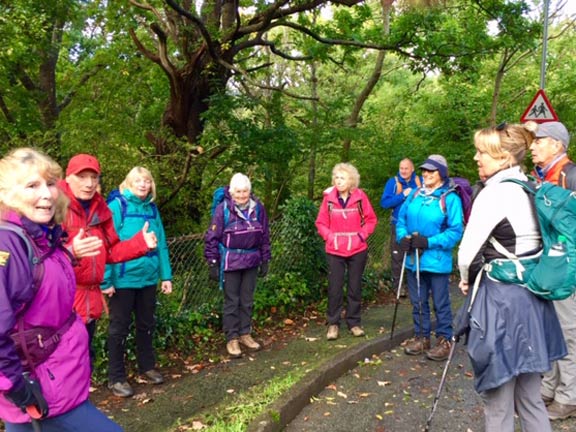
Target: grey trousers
[(560, 382), (521, 395), (239, 288)]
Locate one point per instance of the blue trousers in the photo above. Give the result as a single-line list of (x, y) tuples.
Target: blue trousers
[(435, 284), (85, 417)]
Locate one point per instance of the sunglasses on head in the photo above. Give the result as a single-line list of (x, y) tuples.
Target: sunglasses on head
[(503, 127)]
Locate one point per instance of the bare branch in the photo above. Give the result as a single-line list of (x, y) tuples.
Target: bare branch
[(147, 53), (200, 25)]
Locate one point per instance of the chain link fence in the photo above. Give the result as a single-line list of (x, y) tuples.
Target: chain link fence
[(191, 272)]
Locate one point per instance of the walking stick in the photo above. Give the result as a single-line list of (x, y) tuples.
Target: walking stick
[(442, 381), (398, 295), (420, 313)]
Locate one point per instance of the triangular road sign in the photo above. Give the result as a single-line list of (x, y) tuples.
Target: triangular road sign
[(540, 109)]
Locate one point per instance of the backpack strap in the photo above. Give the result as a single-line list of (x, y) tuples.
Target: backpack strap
[(360, 211), (33, 254), (399, 187), (568, 176), (37, 267)]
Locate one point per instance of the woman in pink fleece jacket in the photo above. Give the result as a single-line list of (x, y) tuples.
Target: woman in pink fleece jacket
[(345, 220)]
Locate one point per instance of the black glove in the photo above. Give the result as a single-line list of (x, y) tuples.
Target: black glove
[(263, 269), (420, 242), (214, 271), (406, 244), (27, 395)]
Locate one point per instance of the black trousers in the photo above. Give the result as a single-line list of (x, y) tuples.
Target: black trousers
[(337, 267), (239, 288), (141, 302)]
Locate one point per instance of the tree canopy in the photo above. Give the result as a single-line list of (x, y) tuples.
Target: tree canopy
[(280, 90)]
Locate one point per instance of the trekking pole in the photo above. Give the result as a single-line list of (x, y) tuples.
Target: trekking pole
[(420, 312), (398, 295), (441, 385)]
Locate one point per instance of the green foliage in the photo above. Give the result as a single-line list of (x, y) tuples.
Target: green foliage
[(298, 251)]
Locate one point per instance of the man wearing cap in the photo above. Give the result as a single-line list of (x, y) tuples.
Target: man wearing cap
[(553, 165), (89, 216), (395, 193)]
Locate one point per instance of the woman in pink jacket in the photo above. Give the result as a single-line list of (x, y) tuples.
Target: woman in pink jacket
[(345, 220)]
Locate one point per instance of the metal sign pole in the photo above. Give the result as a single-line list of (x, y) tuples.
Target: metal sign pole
[(544, 46)]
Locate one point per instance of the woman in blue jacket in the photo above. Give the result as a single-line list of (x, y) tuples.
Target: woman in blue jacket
[(429, 225), (132, 284)]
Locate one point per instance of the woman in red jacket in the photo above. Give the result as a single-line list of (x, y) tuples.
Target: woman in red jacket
[(345, 220)]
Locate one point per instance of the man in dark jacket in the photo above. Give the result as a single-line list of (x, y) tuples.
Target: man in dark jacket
[(397, 189)]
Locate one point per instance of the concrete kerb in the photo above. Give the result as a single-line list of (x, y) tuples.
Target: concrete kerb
[(283, 411)]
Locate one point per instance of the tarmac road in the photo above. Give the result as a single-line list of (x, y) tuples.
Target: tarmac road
[(395, 392)]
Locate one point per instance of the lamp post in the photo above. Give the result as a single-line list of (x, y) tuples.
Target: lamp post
[(544, 46)]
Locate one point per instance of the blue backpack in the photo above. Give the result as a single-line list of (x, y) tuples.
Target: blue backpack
[(116, 195), (217, 197)]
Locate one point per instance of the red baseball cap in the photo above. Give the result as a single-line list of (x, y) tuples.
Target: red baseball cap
[(82, 162)]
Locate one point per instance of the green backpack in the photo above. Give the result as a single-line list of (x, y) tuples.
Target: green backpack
[(550, 276)]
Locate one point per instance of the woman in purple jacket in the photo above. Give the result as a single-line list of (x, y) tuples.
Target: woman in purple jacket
[(44, 363), (237, 244)]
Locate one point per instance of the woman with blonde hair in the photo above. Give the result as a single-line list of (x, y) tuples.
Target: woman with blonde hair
[(135, 282), (514, 335), (345, 221), (44, 361)]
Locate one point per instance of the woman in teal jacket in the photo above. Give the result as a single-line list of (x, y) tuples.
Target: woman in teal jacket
[(429, 225), (132, 285)]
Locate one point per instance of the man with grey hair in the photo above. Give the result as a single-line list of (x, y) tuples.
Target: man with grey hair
[(396, 190), (551, 164)]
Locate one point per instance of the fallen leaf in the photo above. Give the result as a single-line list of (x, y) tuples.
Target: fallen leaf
[(331, 387), (342, 395), (230, 391), (327, 414), (288, 321), (196, 425), (384, 383), (311, 339), (378, 416)]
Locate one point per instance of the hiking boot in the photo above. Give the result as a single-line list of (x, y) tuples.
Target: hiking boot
[(547, 400), (558, 411), (417, 346), (332, 333), (153, 376), (357, 331), (441, 351), (233, 348), (248, 342), (121, 389)]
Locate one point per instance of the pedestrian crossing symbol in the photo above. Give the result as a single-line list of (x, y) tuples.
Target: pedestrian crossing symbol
[(540, 109)]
